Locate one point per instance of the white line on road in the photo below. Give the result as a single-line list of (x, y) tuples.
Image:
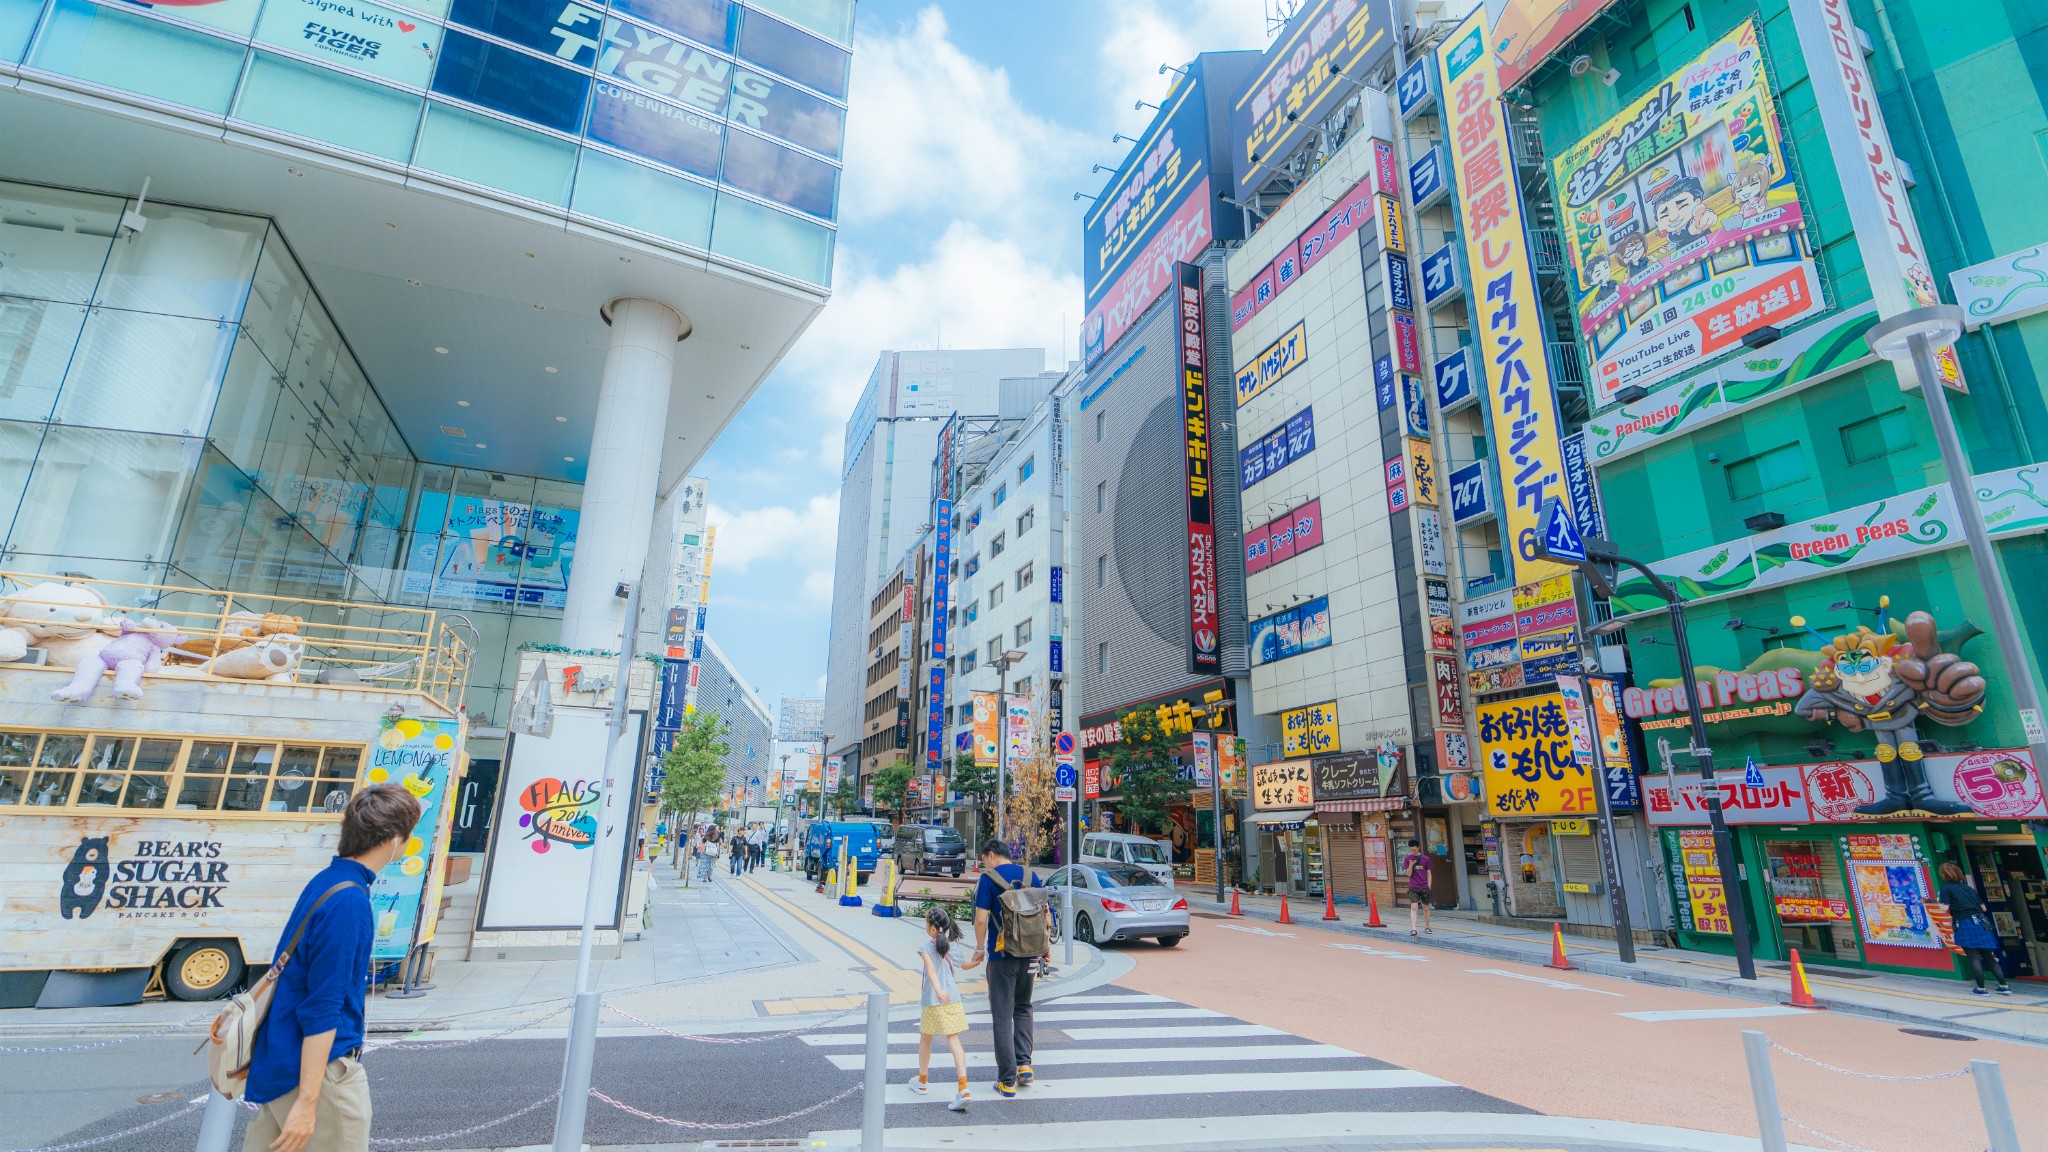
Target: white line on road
[(1177, 1032), (1249, 929), (942, 1062), (1540, 980), (1217, 1083), (1379, 952), (1137, 998), (1715, 1013), (1164, 1015)]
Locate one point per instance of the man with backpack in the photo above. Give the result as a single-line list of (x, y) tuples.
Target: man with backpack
[(1013, 932)]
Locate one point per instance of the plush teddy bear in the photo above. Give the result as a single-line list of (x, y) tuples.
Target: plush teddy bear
[(139, 649), (239, 630), (272, 658), (64, 620)]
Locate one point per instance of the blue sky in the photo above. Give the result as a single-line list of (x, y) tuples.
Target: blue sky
[(971, 124)]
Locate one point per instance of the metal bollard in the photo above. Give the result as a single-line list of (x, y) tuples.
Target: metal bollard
[(1998, 1122), (876, 1087), (1763, 1089), (217, 1123)]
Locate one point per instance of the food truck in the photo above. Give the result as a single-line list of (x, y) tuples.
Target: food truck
[(159, 843)]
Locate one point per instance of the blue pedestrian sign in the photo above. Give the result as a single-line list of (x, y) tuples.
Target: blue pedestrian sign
[(1559, 537), (1752, 776)]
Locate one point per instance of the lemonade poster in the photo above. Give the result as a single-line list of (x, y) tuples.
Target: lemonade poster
[(418, 755)]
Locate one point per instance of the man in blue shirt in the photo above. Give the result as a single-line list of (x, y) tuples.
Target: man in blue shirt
[(1009, 977), (306, 1077)]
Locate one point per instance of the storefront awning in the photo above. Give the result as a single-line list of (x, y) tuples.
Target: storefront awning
[(1287, 821), (1382, 804)]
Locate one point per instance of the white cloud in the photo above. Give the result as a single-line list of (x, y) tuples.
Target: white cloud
[(1144, 34), (783, 536)]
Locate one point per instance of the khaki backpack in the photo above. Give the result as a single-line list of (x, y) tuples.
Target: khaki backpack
[(1026, 926)]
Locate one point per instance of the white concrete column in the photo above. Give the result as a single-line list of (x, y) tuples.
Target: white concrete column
[(625, 468)]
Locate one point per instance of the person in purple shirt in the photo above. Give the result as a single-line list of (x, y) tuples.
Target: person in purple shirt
[(306, 1077)]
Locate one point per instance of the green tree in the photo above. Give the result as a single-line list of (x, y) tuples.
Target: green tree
[(693, 770), (976, 784), (846, 797), (892, 789), (1146, 774)]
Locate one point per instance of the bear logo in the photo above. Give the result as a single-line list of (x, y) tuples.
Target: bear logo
[(85, 878)]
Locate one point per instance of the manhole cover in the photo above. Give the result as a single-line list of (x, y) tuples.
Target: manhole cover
[(1937, 1034), (160, 1098)]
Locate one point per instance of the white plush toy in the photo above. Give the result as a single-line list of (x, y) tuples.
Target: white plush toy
[(272, 658), (65, 620)]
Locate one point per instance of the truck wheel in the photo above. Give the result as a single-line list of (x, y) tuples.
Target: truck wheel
[(203, 969)]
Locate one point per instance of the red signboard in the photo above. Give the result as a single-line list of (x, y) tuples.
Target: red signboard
[(1445, 681), (1407, 346), (1091, 779), (1205, 616)]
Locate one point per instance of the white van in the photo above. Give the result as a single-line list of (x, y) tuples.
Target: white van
[(1154, 856)]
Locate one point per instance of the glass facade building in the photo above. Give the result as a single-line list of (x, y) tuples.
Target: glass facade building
[(707, 125)]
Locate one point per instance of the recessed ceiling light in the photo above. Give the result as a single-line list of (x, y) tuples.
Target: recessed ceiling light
[(295, 172), (570, 459), (561, 419), (480, 445), (390, 224), (452, 430), (413, 280), (441, 350), (550, 369), (529, 255), (462, 403)]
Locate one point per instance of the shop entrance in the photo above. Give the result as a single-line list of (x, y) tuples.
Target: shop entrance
[(2008, 873), (1810, 899)]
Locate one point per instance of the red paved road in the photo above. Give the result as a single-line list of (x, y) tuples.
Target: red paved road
[(1567, 1051)]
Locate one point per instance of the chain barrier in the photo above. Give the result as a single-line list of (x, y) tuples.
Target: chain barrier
[(414, 1141), (110, 1137), (1869, 1075), (742, 1038), (423, 1042), (730, 1126), (1812, 1131), (166, 1030)]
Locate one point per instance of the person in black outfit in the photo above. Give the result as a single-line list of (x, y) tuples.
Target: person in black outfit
[(1975, 934)]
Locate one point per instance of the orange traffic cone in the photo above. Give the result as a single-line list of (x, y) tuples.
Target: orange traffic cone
[(1329, 904), (1284, 917), (1234, 909), (1372, 912), (1557, 956), (1802, 992)]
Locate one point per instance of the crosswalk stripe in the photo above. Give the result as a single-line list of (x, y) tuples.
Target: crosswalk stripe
[(1218, 1083), (1174, 1032), (942, 1061), (1135, 998), (1161, 1014), (1715, 1013)]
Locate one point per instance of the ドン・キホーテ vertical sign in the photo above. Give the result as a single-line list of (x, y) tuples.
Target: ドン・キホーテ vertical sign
[(1205, 617)]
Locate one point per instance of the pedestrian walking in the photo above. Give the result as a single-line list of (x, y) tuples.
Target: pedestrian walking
[(758, 842), (1976, 935), (1417, 866), (306, 1075), (943, 1014), (738, 852), (1012, 931)]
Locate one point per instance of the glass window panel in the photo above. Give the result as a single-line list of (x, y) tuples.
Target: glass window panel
[(106, 773), (709, 22), (362, 36), (278, 294), (287, 449), (249, 394), (767, 169), (146, 790), (205, 773), (235, 17), (111, 495), (293, 790), (146, 372), (509, 81), (796, 54), (108, 47), (832, 19), (760, 101), (563, 29), (760, 235), (17, 21), (17, 755), (438, 9), (56, 241), (323, 105), (185, 263), (656, 61), (642, 198), (37, 338), (340, 763), (635, 122), (495, 154), (56, 770)]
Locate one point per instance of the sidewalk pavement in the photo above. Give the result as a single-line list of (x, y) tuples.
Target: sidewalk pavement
[(1943, 1004), (757, 952)]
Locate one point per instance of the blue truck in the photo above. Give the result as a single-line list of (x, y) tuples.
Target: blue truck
[(821, 847)]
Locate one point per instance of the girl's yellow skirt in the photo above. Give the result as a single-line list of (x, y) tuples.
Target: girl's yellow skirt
[(943, 1020)]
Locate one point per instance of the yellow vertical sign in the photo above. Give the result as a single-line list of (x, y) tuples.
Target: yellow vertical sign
[(1508, 326), (986, 726)]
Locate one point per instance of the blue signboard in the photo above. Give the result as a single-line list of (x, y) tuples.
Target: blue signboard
[(1278, 448), (1426, 184), (1471, 493), (1578, 480), (1291, 632), (1456, 386), (1400, 290), (1417, 86), (1055, 657), (1414, 412), (935, 716), (1440, 278), (942, 561), (1383, 381), (1059, 585), (675, 682)]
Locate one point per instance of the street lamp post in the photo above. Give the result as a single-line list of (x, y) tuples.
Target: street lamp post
[(1001, 665), (1916, 336)]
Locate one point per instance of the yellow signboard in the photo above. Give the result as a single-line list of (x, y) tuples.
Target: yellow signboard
[(1421, 472), (1580, 827), (1280, 784), (1280, 357), (1528, 457), (1310, 731), (985, 728), (1392, 237), (1526, 748), (1546, 591)]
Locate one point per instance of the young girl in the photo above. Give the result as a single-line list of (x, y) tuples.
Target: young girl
[(943, 1013)]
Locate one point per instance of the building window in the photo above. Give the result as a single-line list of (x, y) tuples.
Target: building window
[(966, 663), (1102, 659), (1023, 631), (1002, 493), (1760, 473), (1024, 577), (1021, 687), (995, 596), (1025, 521), (1102, 496), (1025, 469), (995, 650), (995, 545), (1880, 435), (1102, 571), (1101, 423)]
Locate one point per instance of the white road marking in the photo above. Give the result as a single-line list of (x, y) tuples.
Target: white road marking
[(1136, 998), (1216, 1083), (1175, 1032), (1540, 980), (1254, 931), (1090, 1014), (1716, 1013), (1379, 952), (942, 1061)]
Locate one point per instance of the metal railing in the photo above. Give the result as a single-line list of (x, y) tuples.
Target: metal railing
[(333, 643)]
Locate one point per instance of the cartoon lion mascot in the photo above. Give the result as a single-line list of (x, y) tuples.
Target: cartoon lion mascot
[(1875, 681)]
